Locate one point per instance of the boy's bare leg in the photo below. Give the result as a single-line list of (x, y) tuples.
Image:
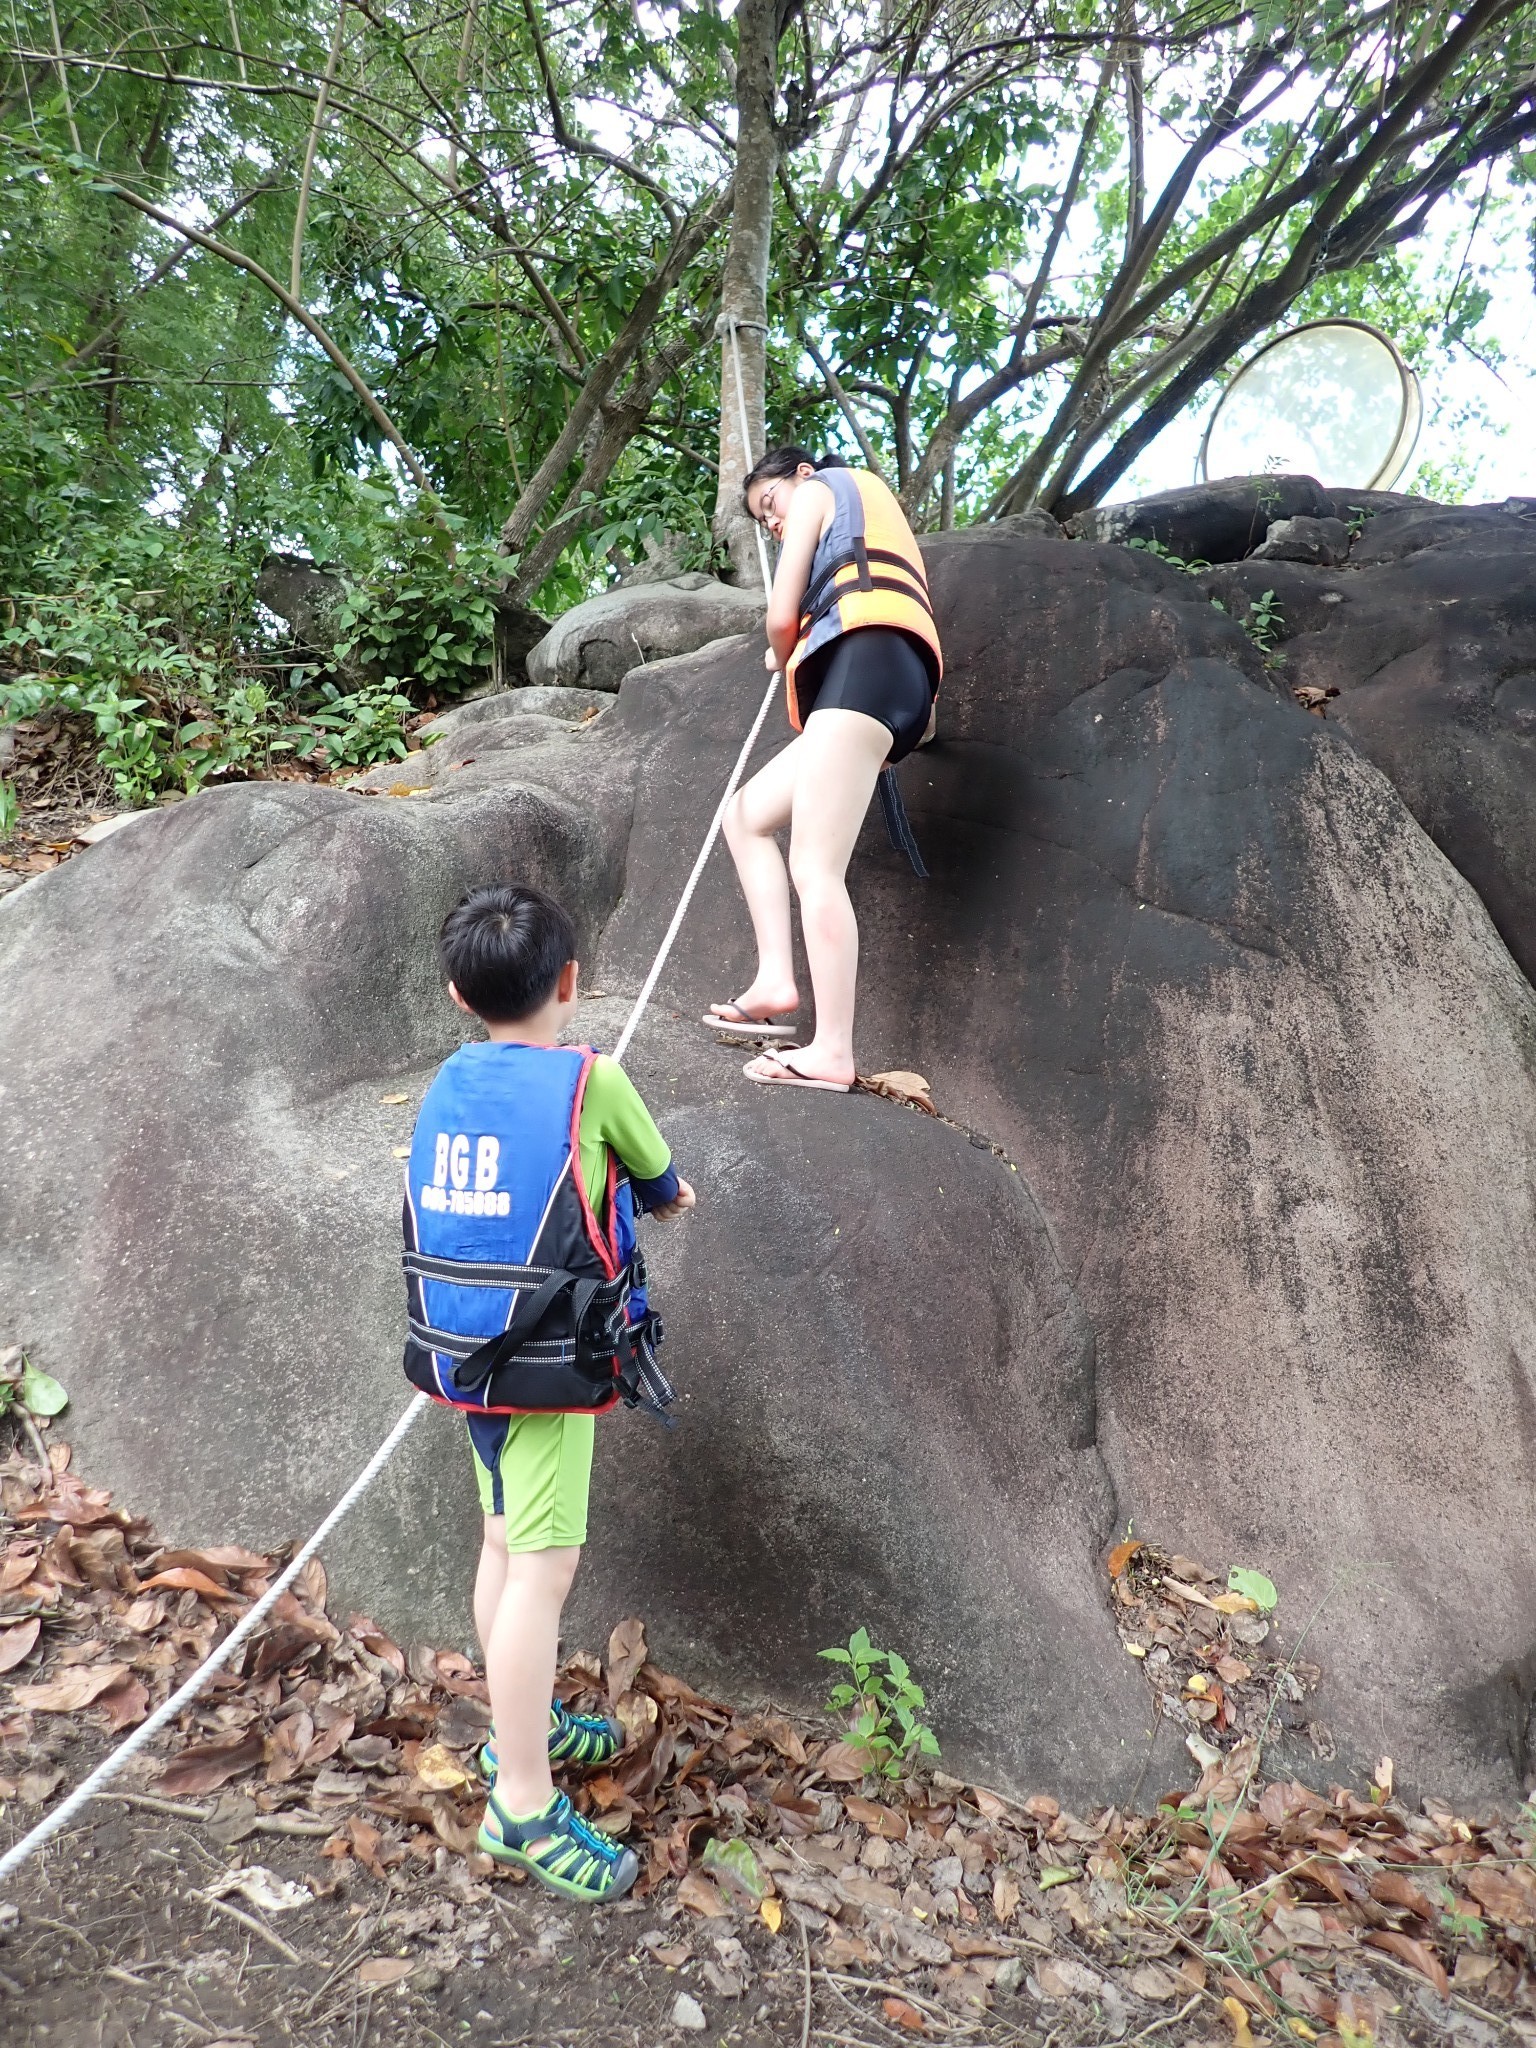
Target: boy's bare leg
[(521, 1644), (490, 1577), (760, 808), (841, 755)]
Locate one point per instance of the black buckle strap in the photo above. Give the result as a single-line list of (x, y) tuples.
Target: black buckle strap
[(917, 594), (898, 825), (468, 1273)]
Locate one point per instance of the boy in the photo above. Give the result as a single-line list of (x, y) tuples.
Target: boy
[(519, 1241)]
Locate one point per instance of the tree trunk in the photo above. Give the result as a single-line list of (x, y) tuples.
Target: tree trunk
[(744, 288)]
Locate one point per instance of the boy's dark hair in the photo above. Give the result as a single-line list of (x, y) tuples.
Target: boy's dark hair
[(785, 462), (503, 947)]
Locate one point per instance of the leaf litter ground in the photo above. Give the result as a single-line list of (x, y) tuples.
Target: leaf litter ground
[(296, 1863)]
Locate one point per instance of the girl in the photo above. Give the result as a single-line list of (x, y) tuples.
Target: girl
[(850, 624)]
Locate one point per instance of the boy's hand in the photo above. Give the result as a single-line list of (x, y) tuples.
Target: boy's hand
[(771, 662), (684, 1199)]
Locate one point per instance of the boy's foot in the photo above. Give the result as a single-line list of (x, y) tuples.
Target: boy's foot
[(558, 1848), (584, 1740)]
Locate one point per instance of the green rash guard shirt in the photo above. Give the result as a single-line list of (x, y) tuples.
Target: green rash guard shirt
[(614, 1118)]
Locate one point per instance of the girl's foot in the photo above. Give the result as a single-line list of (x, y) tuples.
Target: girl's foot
[(757, 1007), (584, 1740), (799, 1066), (558, 1848)]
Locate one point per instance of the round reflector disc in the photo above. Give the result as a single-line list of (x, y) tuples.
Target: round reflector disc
[(1333, 399)]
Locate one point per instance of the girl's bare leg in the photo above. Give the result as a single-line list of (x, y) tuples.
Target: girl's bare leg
[(760, 808), (841, 754)]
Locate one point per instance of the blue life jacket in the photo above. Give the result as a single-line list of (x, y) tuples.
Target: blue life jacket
[(519, 1296)]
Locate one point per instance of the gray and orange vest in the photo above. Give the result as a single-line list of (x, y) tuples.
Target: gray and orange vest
[(866, 571)]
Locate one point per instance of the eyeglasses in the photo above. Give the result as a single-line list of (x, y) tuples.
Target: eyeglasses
[(767, 503)]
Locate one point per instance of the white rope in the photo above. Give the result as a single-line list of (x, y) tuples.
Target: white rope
[(109, 1767)]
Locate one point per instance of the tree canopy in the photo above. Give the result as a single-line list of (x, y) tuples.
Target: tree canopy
[(433, 292)]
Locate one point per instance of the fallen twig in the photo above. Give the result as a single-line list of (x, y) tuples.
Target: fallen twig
[(252, 1926), (805, 1964)]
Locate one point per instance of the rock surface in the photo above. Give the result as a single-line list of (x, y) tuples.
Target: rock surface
[(1429, 638), (1215, 522), (1321, 541), (596, 644), (1252, 1269)]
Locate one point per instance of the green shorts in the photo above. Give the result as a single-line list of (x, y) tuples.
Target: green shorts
[(536, 1471)]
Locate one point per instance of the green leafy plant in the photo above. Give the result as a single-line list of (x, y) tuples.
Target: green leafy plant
[(22, 1386), (420, 608), (1265, 622), (9, 808), (884, 1700), (1154, 547)]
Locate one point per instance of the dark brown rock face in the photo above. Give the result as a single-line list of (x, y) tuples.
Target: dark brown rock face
[(1253, 1271), (1429, 636)]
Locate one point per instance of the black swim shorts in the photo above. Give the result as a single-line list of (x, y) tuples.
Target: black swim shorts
[(879, 670)]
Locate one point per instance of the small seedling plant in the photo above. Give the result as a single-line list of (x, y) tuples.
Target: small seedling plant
[(884, 1700)]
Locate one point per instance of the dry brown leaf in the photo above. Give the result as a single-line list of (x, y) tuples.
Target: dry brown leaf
[(1151, 1980), (1006, 1894), (636, 1714), (16, 1643), (902, 2014), (783, 1738), (365, 1839), (125, 1705), (72, 1690), (1506, 1897), (18, 1568), (699, 1895), (144, 1616), (1418, 1954), (439, 1769), (206, 1768), (1392, 1888), (188, 1579), (899, 1084), (626, 1654), (841, 1764), (879, 1820), (1121, 1556), (383, 1970)]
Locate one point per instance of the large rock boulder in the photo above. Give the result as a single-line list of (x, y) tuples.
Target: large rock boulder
[(596, 644), (1428, 637), (1228, 1236), (1215, 522)]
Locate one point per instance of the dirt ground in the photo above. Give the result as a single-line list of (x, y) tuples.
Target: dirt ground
[(294, 1860)]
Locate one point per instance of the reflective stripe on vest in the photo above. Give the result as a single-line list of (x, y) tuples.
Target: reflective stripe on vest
[(867, 571), (495, 1201)]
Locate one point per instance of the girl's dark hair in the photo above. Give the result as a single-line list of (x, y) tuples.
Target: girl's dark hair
[(503, 949), (784, 462)]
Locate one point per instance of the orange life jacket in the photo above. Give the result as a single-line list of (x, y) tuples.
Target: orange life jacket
[(866, 571)]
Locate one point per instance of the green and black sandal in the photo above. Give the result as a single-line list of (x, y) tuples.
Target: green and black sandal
[(584, 1740), (576, 1860)]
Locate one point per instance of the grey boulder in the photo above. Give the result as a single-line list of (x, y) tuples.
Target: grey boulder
[(1227, 1235), (1324, 542), (596, 644), (1214, 522)]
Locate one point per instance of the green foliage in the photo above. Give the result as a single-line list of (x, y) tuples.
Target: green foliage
[(8, 808), (22, 1385), (420, 610), (144, 636), (1154, 547), (884, 1699), (1263, 625)]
